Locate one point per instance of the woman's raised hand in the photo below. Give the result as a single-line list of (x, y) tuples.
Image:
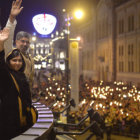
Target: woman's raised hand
[(4, 34)]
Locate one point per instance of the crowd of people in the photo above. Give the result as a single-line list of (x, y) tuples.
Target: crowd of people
[(116, 102)]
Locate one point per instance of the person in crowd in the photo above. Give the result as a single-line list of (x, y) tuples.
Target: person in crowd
[(17, 113), (22, 41)]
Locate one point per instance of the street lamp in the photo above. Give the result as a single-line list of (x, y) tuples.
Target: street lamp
[(78, 14), (33, 45), (34, 38)]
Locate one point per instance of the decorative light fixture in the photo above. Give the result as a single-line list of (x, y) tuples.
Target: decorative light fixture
[(44, 23)]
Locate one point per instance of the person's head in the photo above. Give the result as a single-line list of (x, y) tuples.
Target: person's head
[(15, 61), (22, 41)]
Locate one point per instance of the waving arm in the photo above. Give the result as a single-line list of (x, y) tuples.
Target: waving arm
[(11, 24), (15, 10), (3, 37)]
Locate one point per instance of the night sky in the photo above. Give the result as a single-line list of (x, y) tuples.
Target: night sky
[(33, 7)]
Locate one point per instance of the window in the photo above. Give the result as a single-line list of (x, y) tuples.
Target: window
[(120, 50), (99, 31), (121, 26), (131, 23), (130, 66), (121, 66), (106, 27), (130, 49), (139, 21)]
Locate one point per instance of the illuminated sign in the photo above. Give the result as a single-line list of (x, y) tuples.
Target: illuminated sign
[(44, 23)]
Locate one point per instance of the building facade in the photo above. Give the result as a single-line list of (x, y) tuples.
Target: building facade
[(111, 42), (128, 41)]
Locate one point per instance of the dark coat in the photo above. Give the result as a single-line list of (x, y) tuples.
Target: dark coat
[(9, 107)]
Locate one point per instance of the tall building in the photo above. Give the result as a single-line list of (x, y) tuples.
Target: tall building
[(110, 41), (128, 41)]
